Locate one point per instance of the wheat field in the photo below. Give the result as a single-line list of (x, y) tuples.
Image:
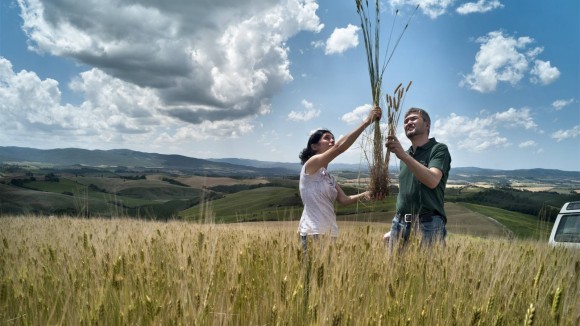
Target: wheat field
[(65, 271)]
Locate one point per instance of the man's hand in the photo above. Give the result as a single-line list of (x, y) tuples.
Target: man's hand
[(394, 146)]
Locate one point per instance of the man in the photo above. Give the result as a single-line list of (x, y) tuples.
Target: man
[(423, 175)]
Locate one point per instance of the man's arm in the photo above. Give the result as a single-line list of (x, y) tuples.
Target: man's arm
[(430, 177)]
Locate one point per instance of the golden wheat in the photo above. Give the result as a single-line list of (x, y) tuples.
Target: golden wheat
[(120, 271)]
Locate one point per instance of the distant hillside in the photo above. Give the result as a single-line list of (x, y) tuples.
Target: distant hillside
[(456, 172), (258, 164), (235, 166), (520, 173), (289, 166), (65, 157)]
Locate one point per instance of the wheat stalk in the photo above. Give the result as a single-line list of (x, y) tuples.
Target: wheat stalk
[(530, 314), (394, 103), (371, 35), (555, 308), (145, 272)]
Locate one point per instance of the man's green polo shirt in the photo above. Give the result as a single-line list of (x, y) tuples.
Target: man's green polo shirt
[(416, 198)]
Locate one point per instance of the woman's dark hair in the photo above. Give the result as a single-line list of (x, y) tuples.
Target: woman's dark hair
[(308, 152)]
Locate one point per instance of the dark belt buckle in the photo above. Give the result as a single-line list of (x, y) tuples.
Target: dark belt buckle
[(408, 218)]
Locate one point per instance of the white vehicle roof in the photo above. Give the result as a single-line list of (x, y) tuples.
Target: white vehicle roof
[(566, 229), (570, 207)]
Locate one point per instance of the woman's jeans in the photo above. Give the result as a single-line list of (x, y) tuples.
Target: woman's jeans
[(431, 232)]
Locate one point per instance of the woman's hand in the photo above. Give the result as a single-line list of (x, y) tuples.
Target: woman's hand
[(387, 238), (368, 195), (374, 114)]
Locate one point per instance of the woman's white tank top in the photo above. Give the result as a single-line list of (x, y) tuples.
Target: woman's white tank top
[(318, 193)]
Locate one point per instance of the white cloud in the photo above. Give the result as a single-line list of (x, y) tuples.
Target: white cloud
[(318, 44), (560, 104), (214, 61), (342, 39), (544, 73), (113, 111), (528, 144), (357, 115), (504, 58), (481, 6), (431, 8), (307, 105), (481, 133), (205, 130), (561, 135), (161, 73), (474, 135), (516, 118), (307, 114)]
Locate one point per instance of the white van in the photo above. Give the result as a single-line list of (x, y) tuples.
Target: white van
[(566, 229)]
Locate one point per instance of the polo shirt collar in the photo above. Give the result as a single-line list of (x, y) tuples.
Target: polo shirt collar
[(425, 147)]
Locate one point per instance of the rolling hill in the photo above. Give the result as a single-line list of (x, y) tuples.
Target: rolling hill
[(66, 157), (124, 158)]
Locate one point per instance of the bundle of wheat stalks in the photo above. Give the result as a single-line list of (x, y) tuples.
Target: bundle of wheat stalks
[(379, 167), (393, 112)]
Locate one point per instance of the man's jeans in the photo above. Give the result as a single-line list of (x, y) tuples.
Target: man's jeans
[(430, 232)]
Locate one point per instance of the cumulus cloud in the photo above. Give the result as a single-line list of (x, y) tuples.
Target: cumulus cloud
[(516, 118), (503, 58), (32, 106), (200, 62), (203, 131), (544, 73), (572, 133), (307, 114), (357, 115), (113, 111), (342, 39), (474, 135), (560, 104), (481, 133), (481, 6)]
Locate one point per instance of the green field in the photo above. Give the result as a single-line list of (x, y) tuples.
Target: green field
[(98, 196), (154, 199), (280, 204), (522, 225), (226, 200), (260, 204)]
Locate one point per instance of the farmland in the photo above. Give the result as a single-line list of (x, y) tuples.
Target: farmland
[(127, 271), (157, 195), (136, 246), (83, 183)]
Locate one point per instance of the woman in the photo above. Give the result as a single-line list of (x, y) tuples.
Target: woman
[(318, 189)]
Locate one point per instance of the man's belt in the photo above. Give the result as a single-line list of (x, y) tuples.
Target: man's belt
[(410, 218)]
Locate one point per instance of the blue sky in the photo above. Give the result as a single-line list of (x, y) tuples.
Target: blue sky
[(252, 79)]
